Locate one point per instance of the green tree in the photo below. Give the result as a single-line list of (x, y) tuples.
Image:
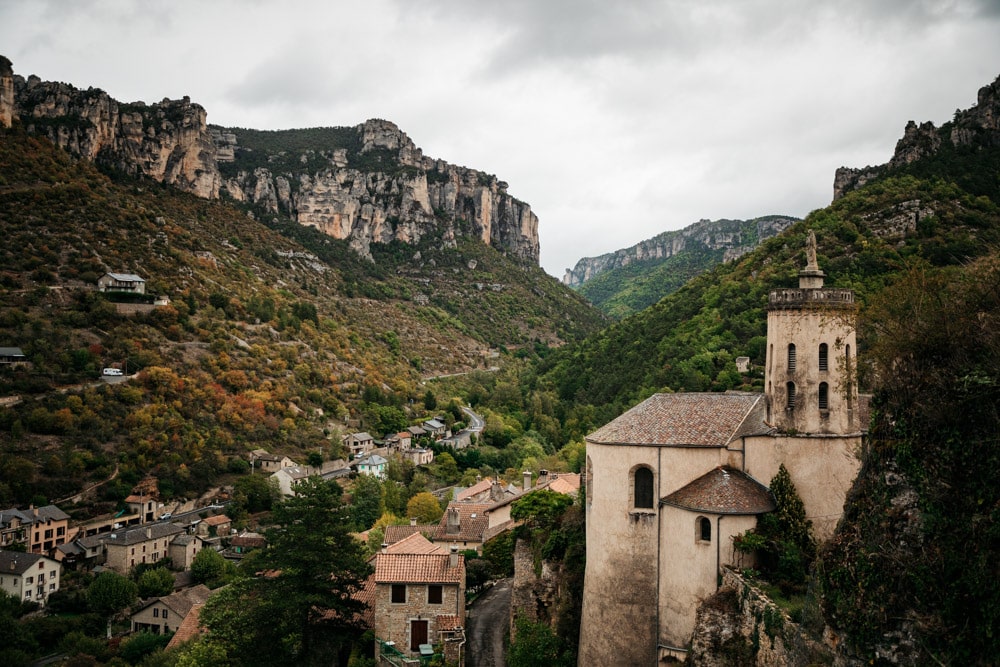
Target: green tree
[(430, 401), (255, 493), (211, 569), (536, 644), (424, 507), (367, 501), (446, 468), (301, 609), (155, 582)]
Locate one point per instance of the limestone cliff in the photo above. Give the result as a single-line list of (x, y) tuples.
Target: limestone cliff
[(6, 92), (366, 184), (978, 126), (372, 184), (732, 236)]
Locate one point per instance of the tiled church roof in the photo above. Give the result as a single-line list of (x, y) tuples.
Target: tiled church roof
[(693, 420), (724, 490)]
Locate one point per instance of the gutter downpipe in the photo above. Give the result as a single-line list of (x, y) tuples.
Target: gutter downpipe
[(659, 529)]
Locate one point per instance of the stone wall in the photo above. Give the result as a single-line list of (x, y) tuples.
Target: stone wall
[(739, 625)]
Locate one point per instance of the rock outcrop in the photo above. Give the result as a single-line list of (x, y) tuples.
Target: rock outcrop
[(6, 92), (732, 236), (375, 186), (978, 126)]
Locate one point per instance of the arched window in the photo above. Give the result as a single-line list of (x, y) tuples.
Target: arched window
[(704, 529), (791, 357), (790, 388), (823, 358), (824, 396), (643, 488)]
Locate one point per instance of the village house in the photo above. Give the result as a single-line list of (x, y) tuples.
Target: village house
[(419, 596), (393, 534), (40, 529), (419, 456), (124, 549), (436, 428), (143, 505), (241, 545), (164, 615), (183, 548), (415, 432), (268, 463), (374, 465), (12, 356), (28, 577), (359, 444), (121, 282), (462, 525), (288, 478), (215, 526)]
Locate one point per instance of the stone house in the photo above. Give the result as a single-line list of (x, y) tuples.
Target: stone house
[(164, 615), (183, 548), (419, 456), (124, 549), (418, 596), (436, 428), (144, 505), (288, 478), (215, 526), (121, 282), (269, 463), (374, 465), (463, 525), (359, 444), (674, 479), (29, 577)]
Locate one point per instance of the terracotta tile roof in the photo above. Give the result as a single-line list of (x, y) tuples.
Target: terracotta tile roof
[(217, 520), (189, 628), (477, 488), (472, 523), (693, 420), (447, 622), (724, 490), (567, 483), (418, 569), (414, 544), (366, 596), (394, 534)]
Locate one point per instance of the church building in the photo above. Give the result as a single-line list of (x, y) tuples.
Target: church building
[(671, 481)]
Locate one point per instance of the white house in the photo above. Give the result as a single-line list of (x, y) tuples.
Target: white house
[(372, 464), (29, 577)]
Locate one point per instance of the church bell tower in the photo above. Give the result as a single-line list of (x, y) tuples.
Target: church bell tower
[(809, 374)]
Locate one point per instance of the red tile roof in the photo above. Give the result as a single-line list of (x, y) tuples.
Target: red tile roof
[(724, 490), (418, 569), (693, 420), (447, 622), (472, 523), (189, 628), (414, 544), (478, 487), (394, 534)]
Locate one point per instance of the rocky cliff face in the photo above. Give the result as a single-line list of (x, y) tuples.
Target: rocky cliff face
[(407, 197), (375, 186), (6, 92), (729, 235), (978, 126)]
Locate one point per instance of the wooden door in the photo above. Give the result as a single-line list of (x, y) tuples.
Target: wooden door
[(418, 634)]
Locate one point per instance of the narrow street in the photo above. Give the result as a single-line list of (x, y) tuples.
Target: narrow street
[(489, 624)]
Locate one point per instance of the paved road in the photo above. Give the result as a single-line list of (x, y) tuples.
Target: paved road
[(489, 626), (476, 422)]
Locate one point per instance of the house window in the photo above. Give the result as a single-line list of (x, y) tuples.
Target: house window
[(399, 593), (642, 485), (434, 594), (156, 612), (29, 580), (823, 357), (790, 388), (164, 613), (704, 529), (791, 357), (824, 396)]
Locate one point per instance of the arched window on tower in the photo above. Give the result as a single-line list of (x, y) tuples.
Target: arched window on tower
[(790, 388), (791, 357), (642, 488), (703, 529), (824, 363), (824, 396)]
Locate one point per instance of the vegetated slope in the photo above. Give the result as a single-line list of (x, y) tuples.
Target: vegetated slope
[(626, 281), (689, 340), (267, 342)]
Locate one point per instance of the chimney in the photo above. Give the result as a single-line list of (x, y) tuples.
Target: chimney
[(149, 533), (453, 557), (384, 547), (413, 520), (454, 521), (527, 481), (543, 477)]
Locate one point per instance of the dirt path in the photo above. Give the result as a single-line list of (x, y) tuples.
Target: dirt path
[(489, 625)]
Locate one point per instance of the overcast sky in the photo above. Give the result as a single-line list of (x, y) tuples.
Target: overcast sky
[(614, 119)]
